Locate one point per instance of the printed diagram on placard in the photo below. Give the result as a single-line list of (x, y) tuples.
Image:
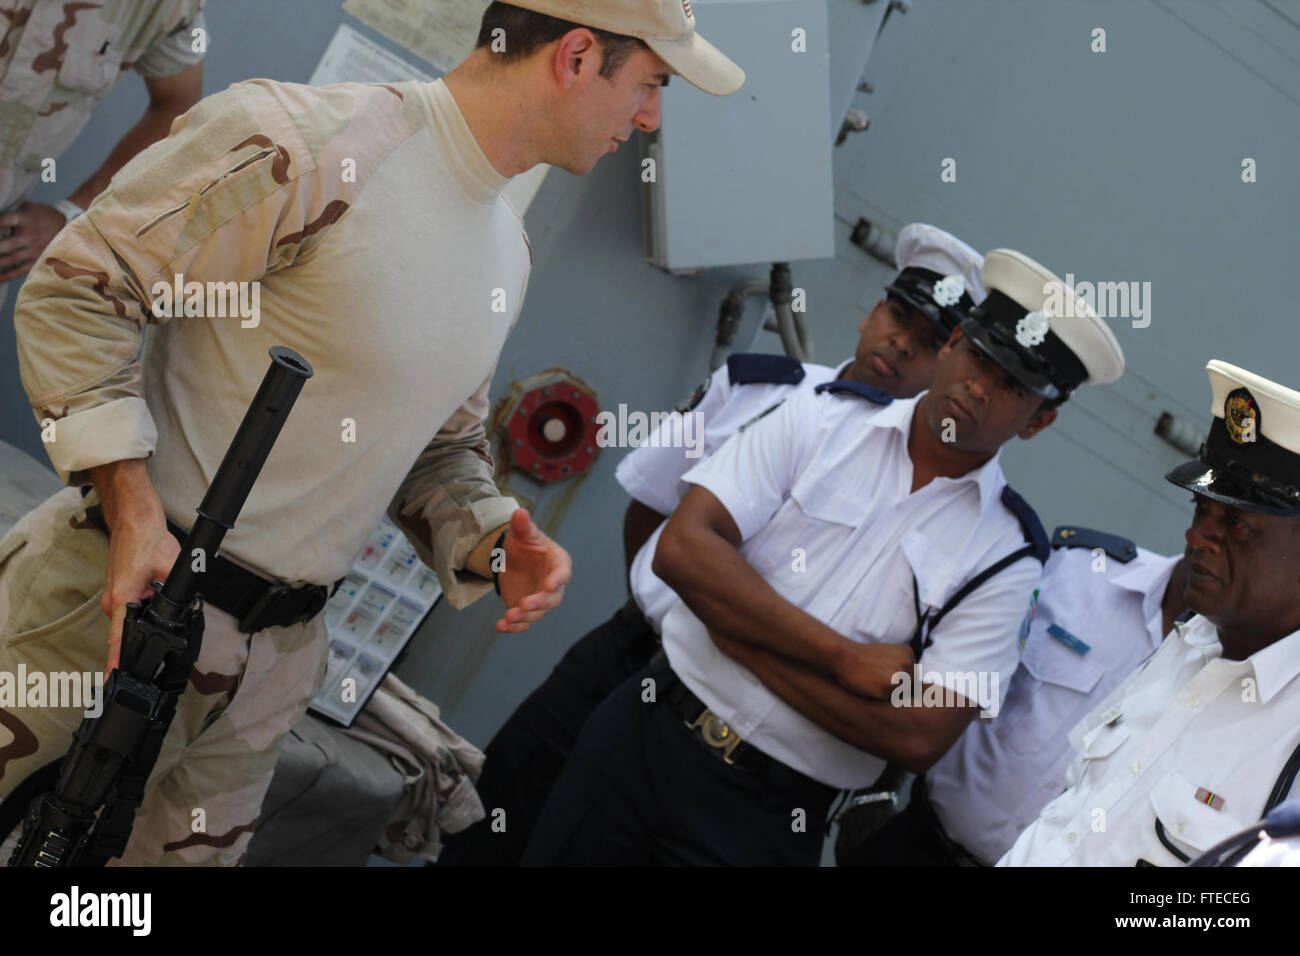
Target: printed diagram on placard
[(375, 612)]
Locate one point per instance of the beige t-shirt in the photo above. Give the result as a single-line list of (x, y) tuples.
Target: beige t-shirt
[(372, 233)]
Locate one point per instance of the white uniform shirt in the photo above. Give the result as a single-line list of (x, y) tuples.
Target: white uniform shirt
[(1001, 772), (652, 473), (820, 491), (1187, 720)]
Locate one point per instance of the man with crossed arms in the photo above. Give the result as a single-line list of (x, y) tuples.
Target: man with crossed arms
[(773, 692), (896, 357)]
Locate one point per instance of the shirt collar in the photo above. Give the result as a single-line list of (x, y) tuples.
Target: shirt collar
[(474, 172), (1275, 666), (839, 370), (988, 477), (1147, 575)]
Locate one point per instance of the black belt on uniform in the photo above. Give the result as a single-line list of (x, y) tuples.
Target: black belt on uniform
[(706, 728), (249, 598)]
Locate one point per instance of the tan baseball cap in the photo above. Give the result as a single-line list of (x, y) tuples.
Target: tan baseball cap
[(666, 26)]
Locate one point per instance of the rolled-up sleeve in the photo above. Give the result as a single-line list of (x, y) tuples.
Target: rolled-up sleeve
[(174, 49), (448, 501)]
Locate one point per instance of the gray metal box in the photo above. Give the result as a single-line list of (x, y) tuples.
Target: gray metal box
[(747, 178)]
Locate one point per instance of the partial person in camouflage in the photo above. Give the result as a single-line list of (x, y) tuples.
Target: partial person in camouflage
[(58, 61), (199, 811), (363, 226)]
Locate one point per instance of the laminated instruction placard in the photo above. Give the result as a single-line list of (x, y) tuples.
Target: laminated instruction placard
[(371, 617)]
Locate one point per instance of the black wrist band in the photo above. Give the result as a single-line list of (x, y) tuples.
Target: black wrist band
[(496, 580)]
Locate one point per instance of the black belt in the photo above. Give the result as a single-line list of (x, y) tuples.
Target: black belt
[(249, 598), (706, 728)]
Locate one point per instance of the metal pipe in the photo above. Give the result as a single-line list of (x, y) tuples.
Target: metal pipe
[(1183, 435), (786, 329), (729, 315), (794, 334)]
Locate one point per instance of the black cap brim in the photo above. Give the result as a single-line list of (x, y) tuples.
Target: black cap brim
[(1215, 483), (983, 338), (927, 309)]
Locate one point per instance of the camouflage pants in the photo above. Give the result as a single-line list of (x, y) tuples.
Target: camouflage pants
[(245, 692)]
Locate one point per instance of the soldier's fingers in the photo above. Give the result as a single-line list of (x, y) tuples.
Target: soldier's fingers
[(22, 258), (115, 639), (12, 262), (561, 572), (516, 616), (542, 600), (524, 528), (17, 271)]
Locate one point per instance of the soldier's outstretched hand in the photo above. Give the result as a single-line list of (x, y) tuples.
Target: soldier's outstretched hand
[(534, 571)]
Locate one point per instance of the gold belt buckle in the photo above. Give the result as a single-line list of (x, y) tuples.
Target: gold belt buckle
[(715, 732)]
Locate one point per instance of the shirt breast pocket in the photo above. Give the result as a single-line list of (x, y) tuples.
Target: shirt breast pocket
[(1049, 688), (1187, 823), (91, 63), (63, 106), (829, 497), (1096, 753)]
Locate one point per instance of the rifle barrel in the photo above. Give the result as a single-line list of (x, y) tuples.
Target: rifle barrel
[(233, 481)]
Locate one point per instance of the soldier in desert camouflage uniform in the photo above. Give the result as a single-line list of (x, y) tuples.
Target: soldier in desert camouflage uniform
[(372, 221), (58, 61)]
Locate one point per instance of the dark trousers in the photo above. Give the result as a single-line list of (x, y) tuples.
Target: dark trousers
[(913, 837), (529, 751), (639, 790)]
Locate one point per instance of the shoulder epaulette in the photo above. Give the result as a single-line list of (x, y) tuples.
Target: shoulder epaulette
[(1069, 536), (1035, 533), (753, 369), (877, 396)]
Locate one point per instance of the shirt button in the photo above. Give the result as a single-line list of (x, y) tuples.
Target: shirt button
[(1193, 700), (1072, 836), (1137, 768), (1178, 827)]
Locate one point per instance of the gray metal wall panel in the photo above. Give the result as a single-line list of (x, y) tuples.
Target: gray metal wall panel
[(747, 178)]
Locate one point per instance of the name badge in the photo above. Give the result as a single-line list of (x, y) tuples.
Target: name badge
[(1068, 639)]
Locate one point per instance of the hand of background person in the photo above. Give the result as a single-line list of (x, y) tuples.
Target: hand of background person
[(34, 224)]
